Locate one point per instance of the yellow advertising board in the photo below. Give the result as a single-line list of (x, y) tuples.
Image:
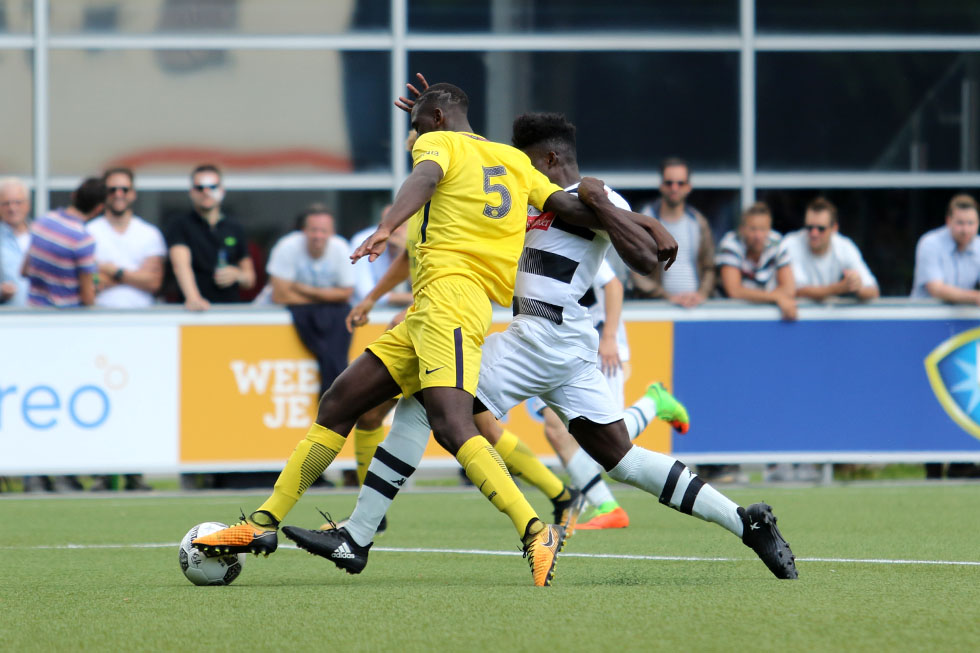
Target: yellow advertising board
[(248, 393)]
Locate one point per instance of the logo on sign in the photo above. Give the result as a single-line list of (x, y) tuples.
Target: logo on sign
[(45, 405), (289, 384), (954, 374)]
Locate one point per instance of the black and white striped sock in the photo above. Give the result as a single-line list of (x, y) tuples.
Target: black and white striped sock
[(394, 462), (677, 486)]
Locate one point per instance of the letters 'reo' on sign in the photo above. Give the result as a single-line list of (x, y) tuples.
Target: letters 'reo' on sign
[(954, 374)]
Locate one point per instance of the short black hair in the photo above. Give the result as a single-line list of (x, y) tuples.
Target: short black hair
[(119, 170), (446, 96), (550, 129), (89, 195), (206, 167)]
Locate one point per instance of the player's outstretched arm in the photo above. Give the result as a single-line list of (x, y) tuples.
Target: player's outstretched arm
[(631, 241), (412, 196)]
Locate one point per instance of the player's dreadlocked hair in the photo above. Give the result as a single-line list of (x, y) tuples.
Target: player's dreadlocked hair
[(445, 95), (550, 129)]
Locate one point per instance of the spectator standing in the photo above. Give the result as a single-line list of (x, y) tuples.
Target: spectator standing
[(129, 251), (947, 259), (60, 263), (311, 273), (691, 279), (826, 263), (15, 238), (208, 250), (754, 266), (947, 267)]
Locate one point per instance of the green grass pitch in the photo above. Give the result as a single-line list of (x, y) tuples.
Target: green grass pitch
[(852, 593)]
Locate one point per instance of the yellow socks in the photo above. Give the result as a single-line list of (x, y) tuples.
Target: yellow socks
[(365, 443), (522, 463), (310, 457), (484, 467)]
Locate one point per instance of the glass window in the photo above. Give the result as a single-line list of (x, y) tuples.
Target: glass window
[(571, 15), (248, 111), (885, 224), (16, 112), (16, 17), (632, 108), (219, 16), (868, 16), (863, 110)]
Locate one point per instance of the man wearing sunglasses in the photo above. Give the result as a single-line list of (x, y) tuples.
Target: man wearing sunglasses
[(208, 249), (128, 250), (691, 279), (826, 263)]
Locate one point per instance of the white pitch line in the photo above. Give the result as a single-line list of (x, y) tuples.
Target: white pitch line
[(483, 552)]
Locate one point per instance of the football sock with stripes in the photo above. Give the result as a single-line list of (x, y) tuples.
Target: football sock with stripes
[(677, 486), (522, 463), (586, 475), (485, 468), (394, 461), (310, 457), (639, 415), (365, 442)]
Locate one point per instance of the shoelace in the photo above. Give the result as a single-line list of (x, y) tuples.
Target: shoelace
[(326, 515)]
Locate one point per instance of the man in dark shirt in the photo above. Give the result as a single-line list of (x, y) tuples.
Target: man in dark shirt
[(208, 250)]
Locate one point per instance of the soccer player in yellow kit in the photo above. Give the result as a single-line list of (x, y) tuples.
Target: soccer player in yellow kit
[(473, 196)]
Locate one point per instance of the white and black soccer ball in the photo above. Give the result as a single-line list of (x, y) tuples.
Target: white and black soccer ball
[(203, 570)]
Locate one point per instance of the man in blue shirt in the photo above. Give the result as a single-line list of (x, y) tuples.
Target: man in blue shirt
[(947, 259)]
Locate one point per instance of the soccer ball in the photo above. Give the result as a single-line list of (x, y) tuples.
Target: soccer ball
[(203, 570)]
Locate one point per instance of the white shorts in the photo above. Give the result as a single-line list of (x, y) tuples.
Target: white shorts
[(516, 366), (616, 383)]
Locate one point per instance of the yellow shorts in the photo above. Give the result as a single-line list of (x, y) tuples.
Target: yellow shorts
[(438, 344)]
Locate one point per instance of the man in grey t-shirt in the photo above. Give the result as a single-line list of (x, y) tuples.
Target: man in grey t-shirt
[(947, 259)]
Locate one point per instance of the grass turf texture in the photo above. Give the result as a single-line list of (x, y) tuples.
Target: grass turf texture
[(133, 598)]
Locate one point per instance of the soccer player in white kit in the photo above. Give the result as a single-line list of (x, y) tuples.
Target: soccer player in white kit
[(549, 350)]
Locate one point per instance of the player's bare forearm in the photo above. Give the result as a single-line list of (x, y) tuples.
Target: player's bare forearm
[(412, 196), (635, 243), (417, 189)]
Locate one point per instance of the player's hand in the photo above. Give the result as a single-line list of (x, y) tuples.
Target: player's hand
[(666, 248), (406, 104), (609, 362), (373, 246), (591, 190), (358, 315)]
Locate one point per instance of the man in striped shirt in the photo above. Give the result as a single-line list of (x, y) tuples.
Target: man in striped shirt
[(753, 264), (60, 262)]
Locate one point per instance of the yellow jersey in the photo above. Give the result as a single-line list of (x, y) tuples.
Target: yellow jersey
[(475, 222)]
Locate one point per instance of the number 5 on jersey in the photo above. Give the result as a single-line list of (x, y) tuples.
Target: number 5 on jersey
[(499, 210)]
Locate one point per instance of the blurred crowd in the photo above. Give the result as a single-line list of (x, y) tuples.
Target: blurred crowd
[(97, 251)]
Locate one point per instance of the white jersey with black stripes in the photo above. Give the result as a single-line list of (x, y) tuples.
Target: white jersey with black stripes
[(556, 270)]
